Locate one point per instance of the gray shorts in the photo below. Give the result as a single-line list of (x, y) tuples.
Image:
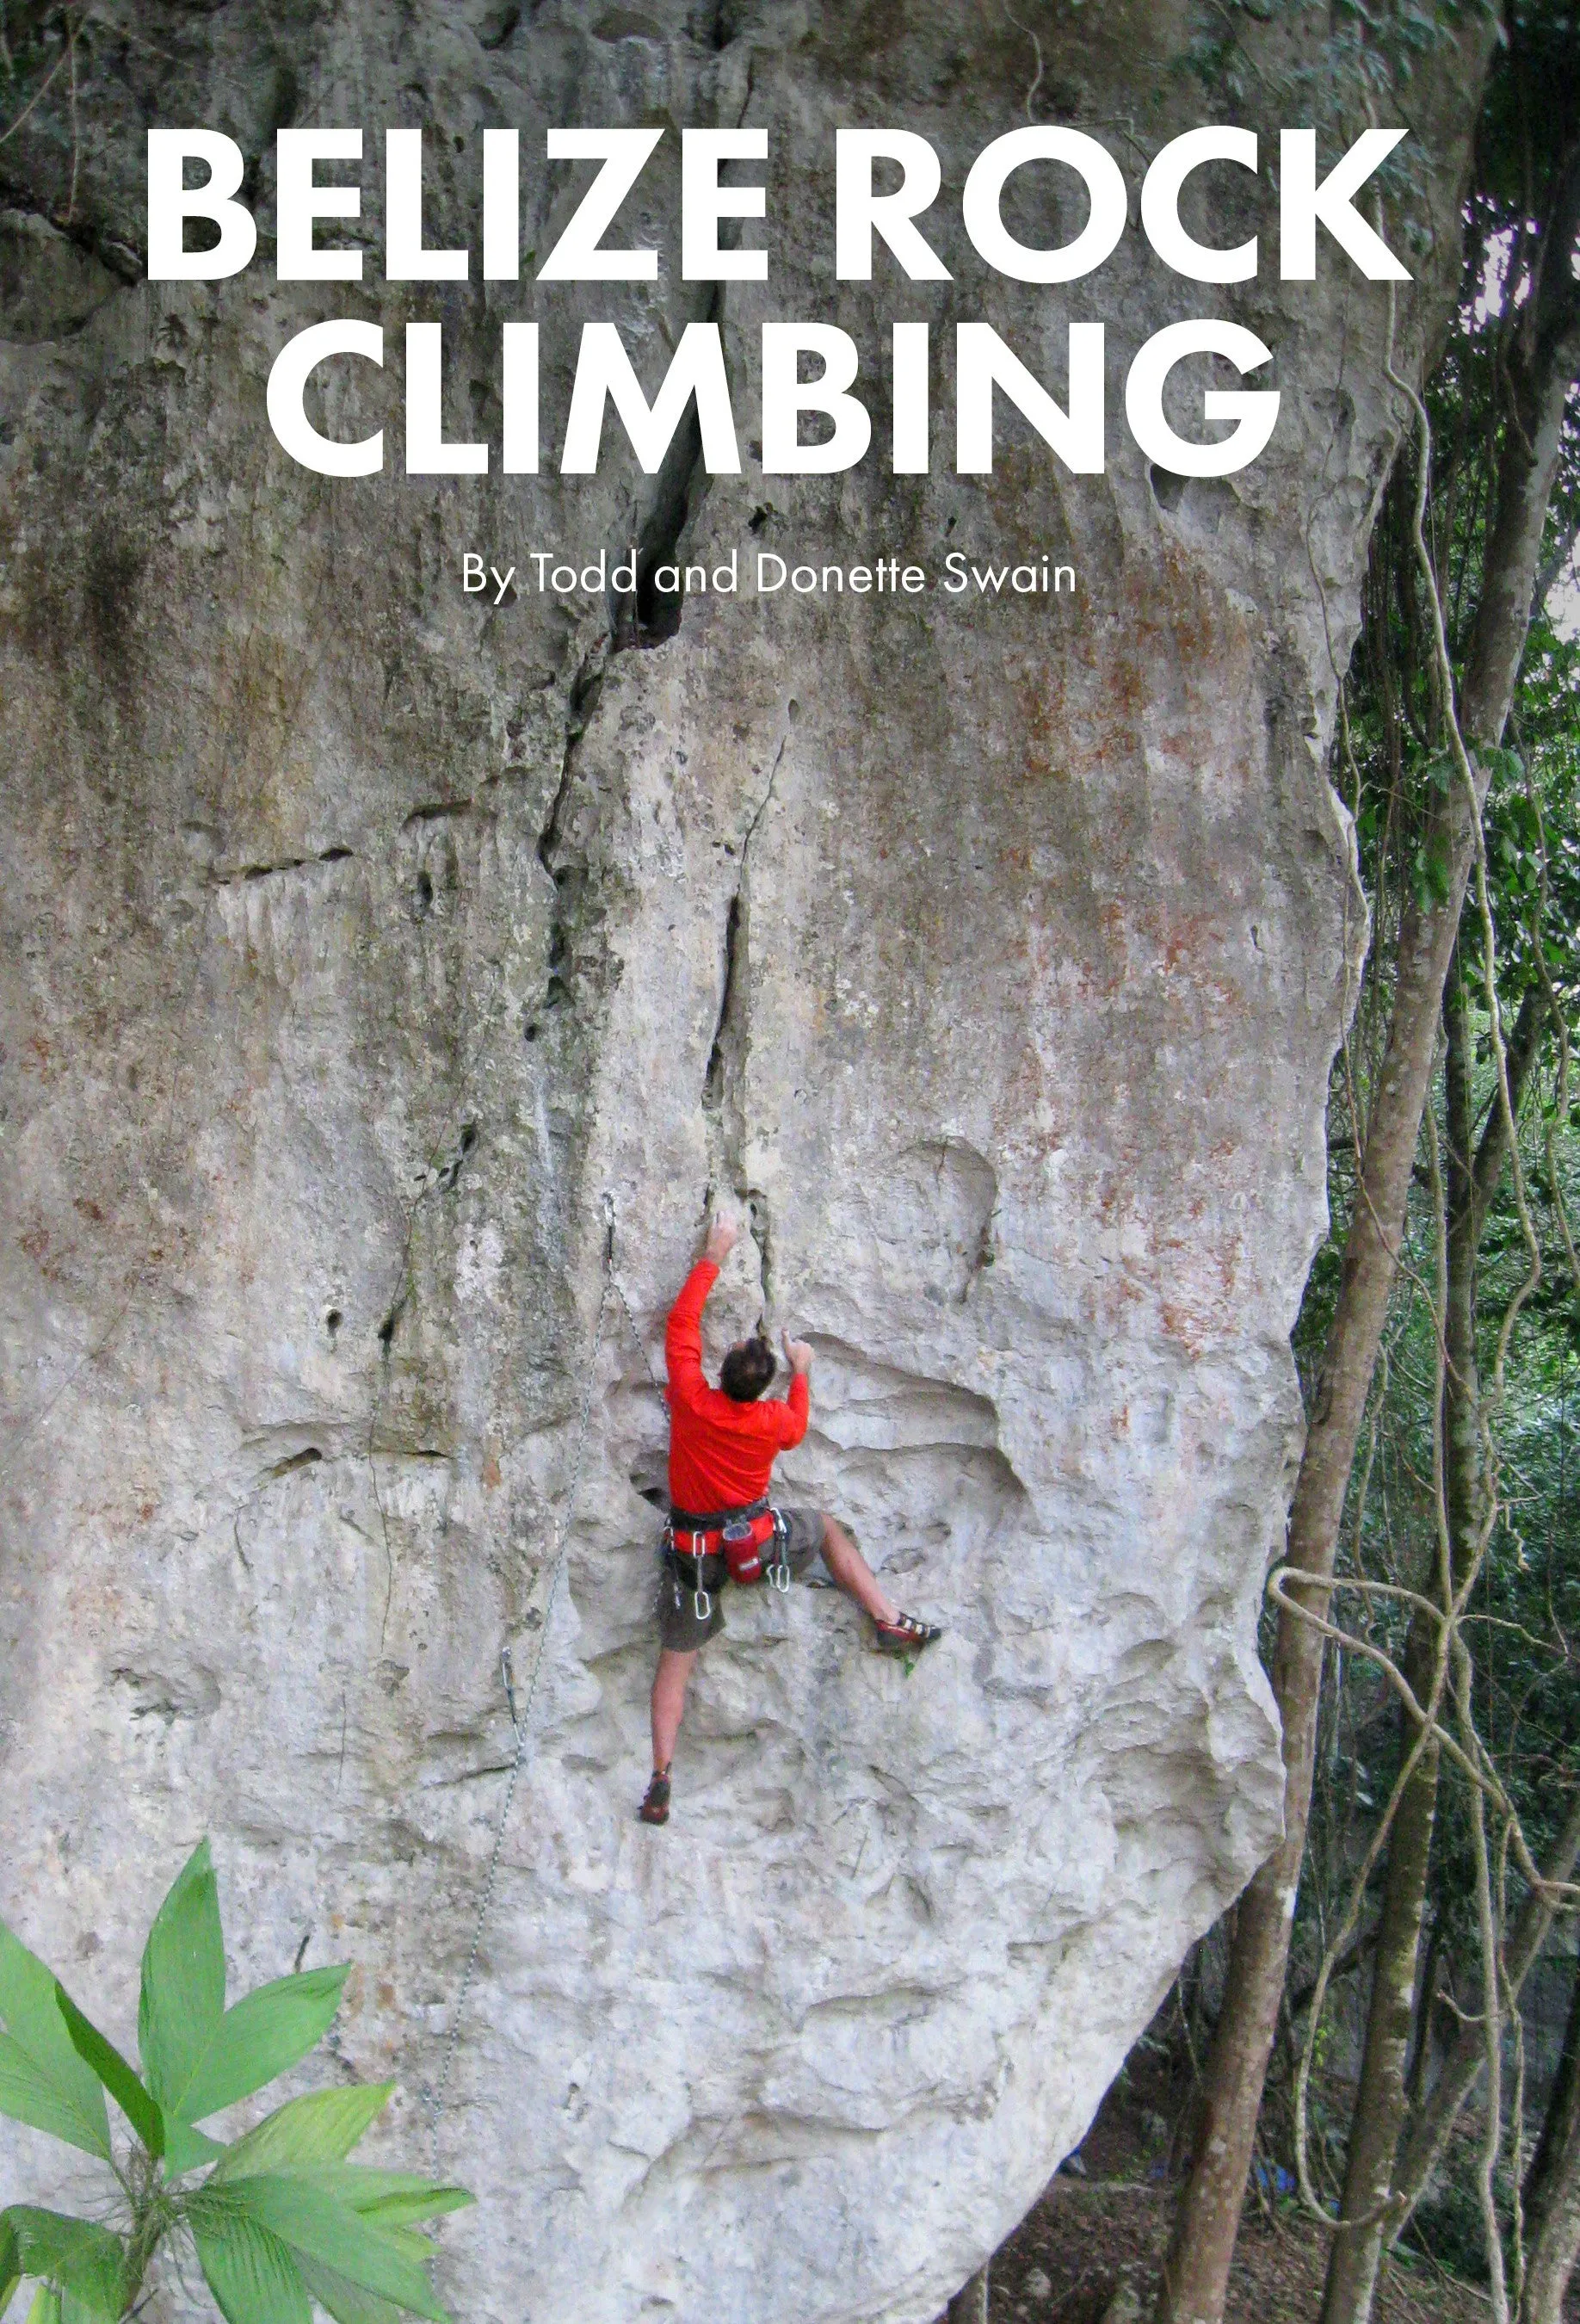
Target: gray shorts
[(681, 1632)]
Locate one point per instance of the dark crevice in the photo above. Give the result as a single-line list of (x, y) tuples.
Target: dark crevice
[(569, 878), (498, 25), (437, 808), (245, 872), (305, 1459), (585, 688), (653, 615), (1168, 489), (443, 1179), (759, 1224), (548, 837), (724, 1096), (714, 1079), (793, 711)]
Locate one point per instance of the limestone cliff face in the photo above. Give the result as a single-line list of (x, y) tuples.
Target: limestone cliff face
[(359, 936)]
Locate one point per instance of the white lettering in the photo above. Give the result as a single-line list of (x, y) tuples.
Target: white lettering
[(985, 189), (703, 201), (1255, 414), (604, 373), (502, 205), (299, 202), (405, 259), (287, 379), (518, 395), (786, 398), (983, 362), (911, 359), (169, 206), (576, 256), (857, 210), (1303, 204), (1160, 205), (427, 452)]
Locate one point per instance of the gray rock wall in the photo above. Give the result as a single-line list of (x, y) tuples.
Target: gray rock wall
[(357, 937)]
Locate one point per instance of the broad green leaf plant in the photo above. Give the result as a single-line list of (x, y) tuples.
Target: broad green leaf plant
[(280, 2219)]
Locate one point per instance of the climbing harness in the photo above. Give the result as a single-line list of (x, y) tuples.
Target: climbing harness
[(521, 1715), (739, 1537)]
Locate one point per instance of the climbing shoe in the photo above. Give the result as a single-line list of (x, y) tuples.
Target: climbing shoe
[(905, 1636), (654, 1807)]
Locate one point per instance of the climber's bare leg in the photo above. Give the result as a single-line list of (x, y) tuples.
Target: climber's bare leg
[(669, 1685), (853, 1574)]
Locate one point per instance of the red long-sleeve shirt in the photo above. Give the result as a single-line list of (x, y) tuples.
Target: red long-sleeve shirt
[(721, 1453)]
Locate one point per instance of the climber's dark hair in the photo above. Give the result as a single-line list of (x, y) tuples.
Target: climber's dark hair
[(747, 1369)]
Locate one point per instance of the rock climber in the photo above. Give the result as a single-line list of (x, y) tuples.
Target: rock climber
[(722, 1446)]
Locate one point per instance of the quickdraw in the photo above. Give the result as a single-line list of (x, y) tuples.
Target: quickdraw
[(740, 1538)]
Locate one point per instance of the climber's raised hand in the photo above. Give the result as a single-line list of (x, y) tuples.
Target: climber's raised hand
[(798, 1353), (722, 1237)]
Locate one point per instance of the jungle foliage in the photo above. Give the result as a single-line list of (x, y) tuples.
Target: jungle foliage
[(278, 2218), (1441, 1760)]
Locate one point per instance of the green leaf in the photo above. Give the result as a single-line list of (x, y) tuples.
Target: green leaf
[(345, 2301), (252, 2276), (46, 2306), (106, 2061), (322, 2128), (322, 2229), (10, 2263), (187, 2149), (86, 2263), (409, 2240), (91, 2304), (183, 1982), (42, 2080), (265, 2033), (390, 2195)]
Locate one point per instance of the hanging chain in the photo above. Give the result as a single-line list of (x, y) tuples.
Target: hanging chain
[(521, 1720), (635, 1334)]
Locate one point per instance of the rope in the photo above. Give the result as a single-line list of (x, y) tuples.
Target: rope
[(522, 1722)]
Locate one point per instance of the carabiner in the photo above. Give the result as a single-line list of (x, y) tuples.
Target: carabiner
[(701, 1605)]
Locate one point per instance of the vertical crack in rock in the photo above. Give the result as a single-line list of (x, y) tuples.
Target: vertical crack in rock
[(713, 1081), (652, 616), (565, 868), (724, 1082)]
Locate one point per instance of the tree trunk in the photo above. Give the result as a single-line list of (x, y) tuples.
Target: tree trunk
[(1429, 2132), (1382, 2098), (1379, 2100), (1552, 2196), (1196, 2270)]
